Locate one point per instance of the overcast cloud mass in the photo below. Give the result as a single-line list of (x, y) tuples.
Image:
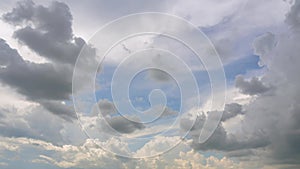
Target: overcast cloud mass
[(258, 45)]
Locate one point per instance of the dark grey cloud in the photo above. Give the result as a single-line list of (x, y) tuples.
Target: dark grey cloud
[(123, 125), (220, 139), (252, 87), (231, 110), (43, 83), (110, 121), (159, 76), (46, 30), (59, 109), (37, 80), (8, 55), (114, 123), (107, 107)]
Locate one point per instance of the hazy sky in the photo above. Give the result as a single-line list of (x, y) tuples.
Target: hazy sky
[(64, 105)]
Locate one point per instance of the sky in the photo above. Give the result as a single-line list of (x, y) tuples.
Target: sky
[(150, 84)]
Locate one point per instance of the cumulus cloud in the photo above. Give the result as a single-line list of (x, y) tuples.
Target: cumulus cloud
[(271, 121), (252, 87)]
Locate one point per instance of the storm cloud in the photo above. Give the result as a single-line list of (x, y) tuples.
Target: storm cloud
[(270, 122), (48, 32)]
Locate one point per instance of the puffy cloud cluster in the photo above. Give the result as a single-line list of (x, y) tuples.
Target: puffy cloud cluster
[(270, 122), (277, 115)]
